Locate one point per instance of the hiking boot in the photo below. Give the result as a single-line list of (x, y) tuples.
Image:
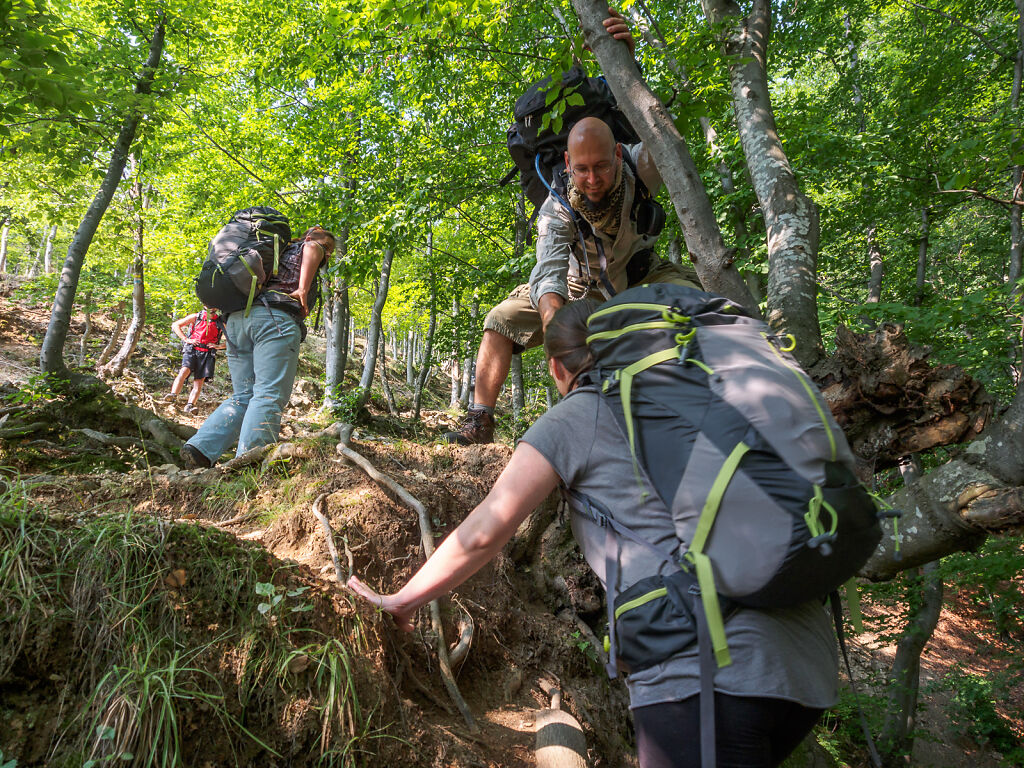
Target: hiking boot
[(476, 427), (193, 458), (170, 397), (190, 408)]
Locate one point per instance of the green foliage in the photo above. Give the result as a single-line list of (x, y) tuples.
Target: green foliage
[(972, 711)]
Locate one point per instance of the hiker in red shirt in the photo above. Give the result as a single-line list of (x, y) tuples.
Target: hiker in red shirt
[(202, 340)]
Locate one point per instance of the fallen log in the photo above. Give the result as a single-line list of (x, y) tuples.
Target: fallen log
[(559, 742)]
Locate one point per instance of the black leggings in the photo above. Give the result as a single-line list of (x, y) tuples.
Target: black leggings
[(751, 732)]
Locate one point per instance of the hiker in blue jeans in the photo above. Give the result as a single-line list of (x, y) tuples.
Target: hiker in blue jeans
[(263, 354)]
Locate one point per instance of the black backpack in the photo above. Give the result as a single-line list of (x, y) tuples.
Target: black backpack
[(241, 257), (538, 149)]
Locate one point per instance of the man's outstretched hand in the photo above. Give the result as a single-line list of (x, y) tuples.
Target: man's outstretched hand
[(401, 614)]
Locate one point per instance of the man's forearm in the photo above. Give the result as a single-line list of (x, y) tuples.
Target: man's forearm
[(547, 305)]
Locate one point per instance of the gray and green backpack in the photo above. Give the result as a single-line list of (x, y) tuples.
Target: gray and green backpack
[(739, 444)]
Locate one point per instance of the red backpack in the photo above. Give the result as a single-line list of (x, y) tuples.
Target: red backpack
[(204, 330)]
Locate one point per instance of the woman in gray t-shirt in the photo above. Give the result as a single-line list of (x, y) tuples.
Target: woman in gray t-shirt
[(784, 670)]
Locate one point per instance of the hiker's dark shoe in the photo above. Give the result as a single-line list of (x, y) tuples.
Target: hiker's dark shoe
[(477, 427), (190, 408), (170, 397), (193, 458)]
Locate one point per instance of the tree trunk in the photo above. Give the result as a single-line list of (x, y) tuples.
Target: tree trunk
[(131, 340), (954, 507), (108, 350), (922, 258), (51, 233), (374, 331), (516, 378), (51, 358), (338, 342), (410, 345), (1017, 174), (897, 737), (385, 384), (428, 347), (671, 155), (791, 218), (456, 381), (83, 345), (876, 264), (3, 246), (469, 362)]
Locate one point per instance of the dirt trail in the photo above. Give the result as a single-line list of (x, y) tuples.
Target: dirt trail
[(519, 636)]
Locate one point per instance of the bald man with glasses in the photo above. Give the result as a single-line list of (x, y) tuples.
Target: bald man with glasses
[(594, 239)]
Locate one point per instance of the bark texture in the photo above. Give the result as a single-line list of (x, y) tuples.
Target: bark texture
[(790, 217)]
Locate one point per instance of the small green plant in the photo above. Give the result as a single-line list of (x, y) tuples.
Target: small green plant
[(7, 763), (346, 401), (276, 595)]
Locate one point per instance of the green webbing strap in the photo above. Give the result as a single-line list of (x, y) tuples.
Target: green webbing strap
[(853, 605), (252, 295), (626, 383), (705, 573), (714, 499), (635, 305), (276, 241), (712, 608), (648, 326), (252, 286)]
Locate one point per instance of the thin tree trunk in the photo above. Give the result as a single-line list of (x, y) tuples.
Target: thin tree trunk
[(671, 155), (374, 331), (428, 347), (410, 338), (469, 363), (108, 350), (339, 342), (51, 234), (3, 246), (456, 371), (516, 378), (1017, 175), (876, 263), (922, 258), (897, 736), (791, 218), (385, 384), (131, 340), (83, 344), (51, 358)]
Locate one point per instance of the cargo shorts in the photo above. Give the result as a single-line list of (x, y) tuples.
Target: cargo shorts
[(518, 320)]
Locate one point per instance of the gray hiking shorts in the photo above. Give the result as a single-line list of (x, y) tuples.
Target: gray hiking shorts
[(518, 320)]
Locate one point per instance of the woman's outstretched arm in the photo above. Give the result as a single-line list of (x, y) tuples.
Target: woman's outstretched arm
[(521, 487)]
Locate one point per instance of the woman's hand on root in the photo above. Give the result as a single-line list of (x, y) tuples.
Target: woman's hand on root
[(402, 614)]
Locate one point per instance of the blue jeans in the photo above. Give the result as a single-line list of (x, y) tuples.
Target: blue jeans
[(263, 353)]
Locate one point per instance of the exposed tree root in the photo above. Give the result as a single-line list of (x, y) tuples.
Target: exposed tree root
[(427, 540), (892, 401), (329, 534)]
